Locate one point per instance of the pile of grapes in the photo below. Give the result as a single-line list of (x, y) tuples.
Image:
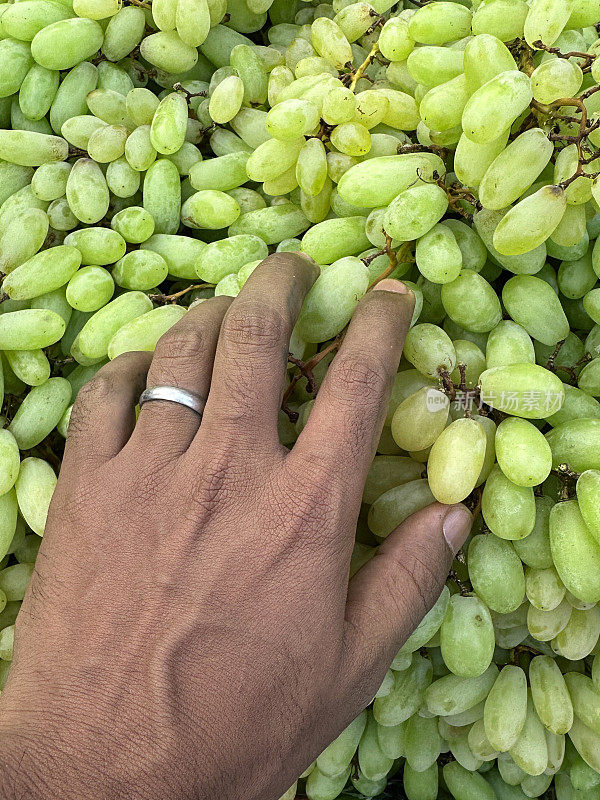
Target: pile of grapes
[(153, 153)]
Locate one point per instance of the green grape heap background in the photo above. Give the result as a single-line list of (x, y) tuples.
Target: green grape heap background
[(153, 153)]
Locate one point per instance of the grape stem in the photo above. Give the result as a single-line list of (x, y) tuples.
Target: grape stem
[(567, 479), (364, 66), (188, 95), (570, 370), (589, 58), (171, 298)]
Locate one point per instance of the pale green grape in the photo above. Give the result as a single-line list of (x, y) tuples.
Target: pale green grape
[(508, 510), (506, 708), (467, 636), (523, 160), (34, 489), (522, 452), (471, 302), (575, 552), (456, 460), (465, 785), (524, 390), (496, 573), (420, 419), (376, 182), (30, 366), (44, 272), (528, 224), (391, 508)]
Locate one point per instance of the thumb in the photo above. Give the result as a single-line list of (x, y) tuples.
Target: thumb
[(391, 594)]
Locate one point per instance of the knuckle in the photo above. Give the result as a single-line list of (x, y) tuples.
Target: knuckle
[(258, 325), (356, 378), (176, 350), (93, 393)]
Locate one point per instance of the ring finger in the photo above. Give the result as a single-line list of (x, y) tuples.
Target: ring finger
[(183, 359)]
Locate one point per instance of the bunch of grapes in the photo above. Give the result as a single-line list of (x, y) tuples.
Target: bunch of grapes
[(153, 153)]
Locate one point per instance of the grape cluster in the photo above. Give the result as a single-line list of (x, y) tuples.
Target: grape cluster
[(153, 153)]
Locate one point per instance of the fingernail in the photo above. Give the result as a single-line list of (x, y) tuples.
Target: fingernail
[(391, 285), (457, 526)]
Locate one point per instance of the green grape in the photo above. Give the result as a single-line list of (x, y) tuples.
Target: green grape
[(429, 349), (523, 159), (577, 405), (507, 344), (493, 107), (585, 699), (470, 302), (97, 245), (438, 255), (530, 751), (140, 269), (31, 149), (442, 106), (588, 489), (587, 743), (486, 223), (333, 239), (496, 573), (143, 332), (87, 193), (465, 785), (168, 52), (528, 224), (546, 625), (432, 66), (91, 344), (9, 461), (420, 419), (135, 224), (575, 552), (107, 143), (467, 636), (14, 581), (580, 635), (337, 756), (420, 785), (8, 521), (422, 742), (378, 181), (391, 508), (391, 739), (550, 695), (456, 460), (139, 151), (473, 250), (485, 56), (65, 43), (415, 211), (522, 452), (406, 696), (554, 79), (534, 549), (34, 490), (332, 299), (30, 329), (373, 763), (44, 272), (452, 695), (162, 195), (506, 708), (123, 33), (524, 390), (181, 253), (439, 24), (545, 21), (321, 787), (40, 411), (22, 238), (508, 510), (30, 366)]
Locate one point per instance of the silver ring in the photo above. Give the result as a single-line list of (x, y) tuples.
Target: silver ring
[(174, 395)]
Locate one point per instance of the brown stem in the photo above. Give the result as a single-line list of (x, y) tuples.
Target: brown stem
[(170, 298), (308, 367), (588, 58)]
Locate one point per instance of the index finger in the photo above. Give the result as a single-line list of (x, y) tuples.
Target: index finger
[(347, 418)]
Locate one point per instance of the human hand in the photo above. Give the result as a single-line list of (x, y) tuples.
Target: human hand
[(190, 630)]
